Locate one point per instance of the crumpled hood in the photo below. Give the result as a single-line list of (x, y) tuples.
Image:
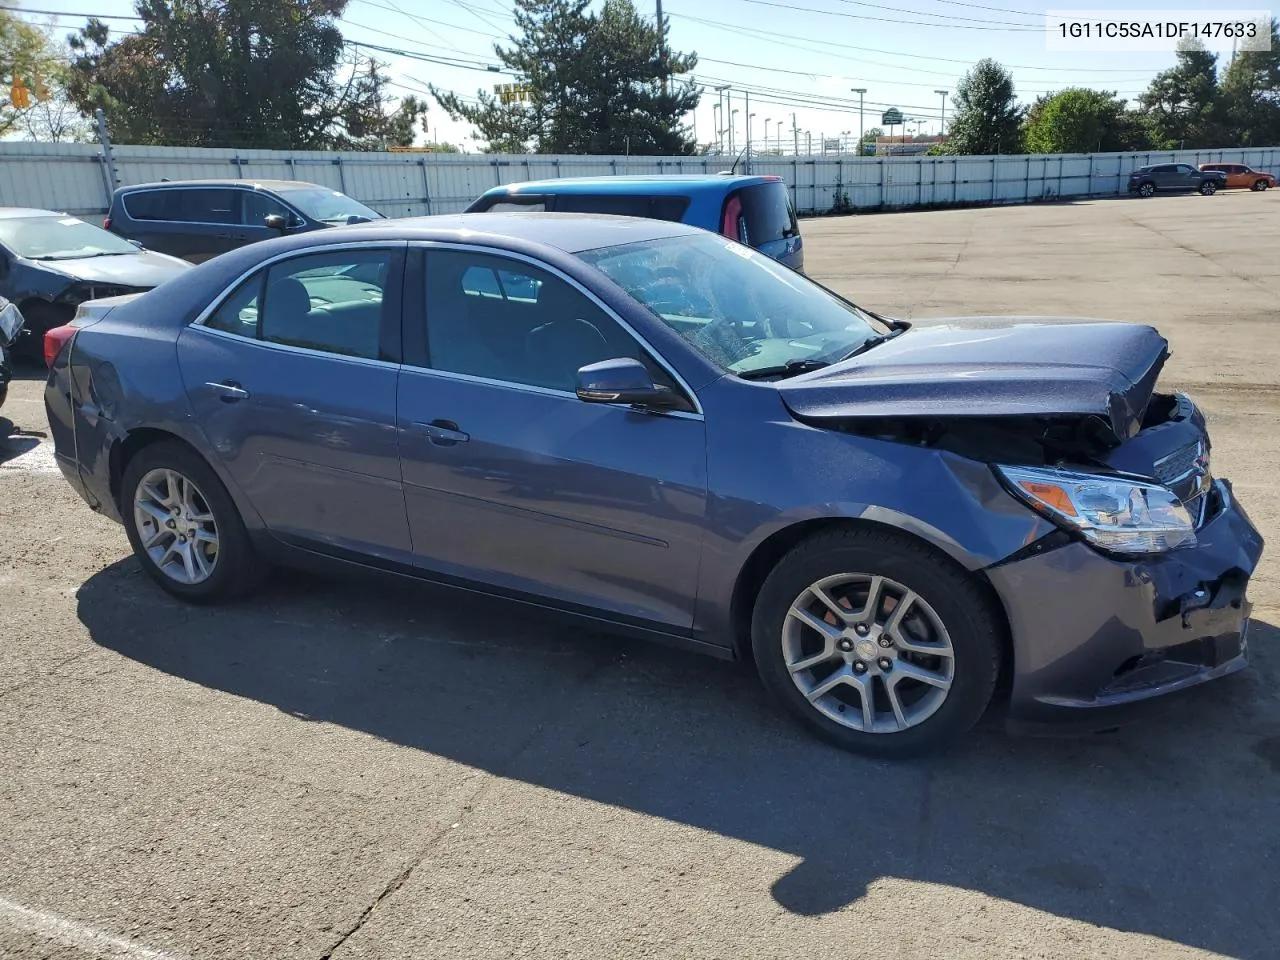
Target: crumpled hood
[(992, 367), (142, 269)]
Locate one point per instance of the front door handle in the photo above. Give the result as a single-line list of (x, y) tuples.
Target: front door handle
[(230, 391), (443, 432)]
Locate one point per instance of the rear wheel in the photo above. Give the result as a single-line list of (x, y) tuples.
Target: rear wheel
[(1208, 188), (875, 643), (1147, 189), (184, 527)]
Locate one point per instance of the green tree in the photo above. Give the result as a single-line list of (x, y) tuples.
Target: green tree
[(237, 73), (987, 116), (1078, 120), (869, 138), (1250, 91), (1182, 108), (28, 54), (591, 83)]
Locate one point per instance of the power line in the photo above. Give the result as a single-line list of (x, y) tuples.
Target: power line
[(925, 13), (471, 10), (1015, 28), (954, 3), (773, 35)]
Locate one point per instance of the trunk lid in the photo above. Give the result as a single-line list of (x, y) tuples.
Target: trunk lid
[(993, 367)]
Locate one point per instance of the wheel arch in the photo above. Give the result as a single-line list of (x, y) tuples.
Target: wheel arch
[(770, 551)]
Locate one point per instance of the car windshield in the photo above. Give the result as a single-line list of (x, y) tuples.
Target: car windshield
[(741, 309), (328, 206), (60, 238)]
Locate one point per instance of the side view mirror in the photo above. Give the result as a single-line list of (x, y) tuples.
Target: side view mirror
[(624, 380), (276, 221)]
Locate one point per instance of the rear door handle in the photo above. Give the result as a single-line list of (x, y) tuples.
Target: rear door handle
[(443, 432), (230, 391)]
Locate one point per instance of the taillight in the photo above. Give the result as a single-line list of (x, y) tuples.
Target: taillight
[(106, 224), (55, 340)]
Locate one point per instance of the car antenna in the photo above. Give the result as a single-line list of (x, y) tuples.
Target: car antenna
[(734, 168)]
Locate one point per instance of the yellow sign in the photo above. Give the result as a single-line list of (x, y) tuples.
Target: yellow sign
[(509, 93), (18, 95)]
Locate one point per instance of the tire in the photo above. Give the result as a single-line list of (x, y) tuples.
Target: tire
[(1147, 189), (1259, 185), (1208, 188), (944, 596), (235, 567)]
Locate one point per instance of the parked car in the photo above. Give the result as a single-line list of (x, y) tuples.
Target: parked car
[(199, 219), (51, 262), (1242, 177), (651, 426), (11, 323), (756, 211), (1175, 177)]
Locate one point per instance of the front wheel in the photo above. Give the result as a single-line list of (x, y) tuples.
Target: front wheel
[(1147, 190), (184, 527), (1208, 188), (875, 643), (1260, 185)]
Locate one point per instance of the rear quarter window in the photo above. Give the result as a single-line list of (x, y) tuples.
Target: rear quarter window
[(654, 208), (151, 204)]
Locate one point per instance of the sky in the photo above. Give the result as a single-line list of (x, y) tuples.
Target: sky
[(777, 56)]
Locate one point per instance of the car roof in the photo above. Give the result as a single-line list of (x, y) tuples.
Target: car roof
[(13, 213), (568, 232), (653, 184), (252, 184)]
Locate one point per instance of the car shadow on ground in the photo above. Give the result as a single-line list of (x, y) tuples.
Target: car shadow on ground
[(1166, 828), (15, 442)]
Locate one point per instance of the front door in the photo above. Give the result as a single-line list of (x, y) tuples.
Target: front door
[(293, 382), (513, 481)]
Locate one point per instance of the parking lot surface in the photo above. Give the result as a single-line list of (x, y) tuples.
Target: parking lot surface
[(340, 770)]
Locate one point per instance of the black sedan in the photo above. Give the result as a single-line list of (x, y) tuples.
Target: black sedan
[(50, 263)]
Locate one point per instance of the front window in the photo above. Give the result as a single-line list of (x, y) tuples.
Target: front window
[(329, 206), (742, 310), (60, 238)]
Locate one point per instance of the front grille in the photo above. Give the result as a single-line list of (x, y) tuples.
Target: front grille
[(1178, 464)]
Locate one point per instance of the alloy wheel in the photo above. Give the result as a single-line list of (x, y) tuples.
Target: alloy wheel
[(868, 652), (176, 526)]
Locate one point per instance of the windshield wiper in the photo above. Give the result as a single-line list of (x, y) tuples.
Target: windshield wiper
[(872, 342), (788, 369)]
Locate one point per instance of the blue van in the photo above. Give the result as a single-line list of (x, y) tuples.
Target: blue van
[(756, 211)]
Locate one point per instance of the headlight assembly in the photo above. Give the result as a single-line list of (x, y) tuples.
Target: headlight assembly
[(1113, 513)]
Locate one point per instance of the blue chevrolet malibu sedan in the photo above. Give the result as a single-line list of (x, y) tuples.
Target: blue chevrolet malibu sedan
[(754, 210), (647, 425)]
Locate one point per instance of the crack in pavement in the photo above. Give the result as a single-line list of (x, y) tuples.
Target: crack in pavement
[(1226, 271), (469, 806)]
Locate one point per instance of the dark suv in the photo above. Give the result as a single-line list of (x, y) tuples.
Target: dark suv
[(199, 219), (1179, 177)]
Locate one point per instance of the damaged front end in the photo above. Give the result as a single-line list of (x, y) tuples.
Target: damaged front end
[(1140, 590)]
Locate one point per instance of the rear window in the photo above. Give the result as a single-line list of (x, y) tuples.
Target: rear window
[(766, 214), (508, 203)]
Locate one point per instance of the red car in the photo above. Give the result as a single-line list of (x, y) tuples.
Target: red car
[(1240, 177)]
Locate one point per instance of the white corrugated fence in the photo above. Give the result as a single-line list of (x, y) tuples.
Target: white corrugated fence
[(79, 178)]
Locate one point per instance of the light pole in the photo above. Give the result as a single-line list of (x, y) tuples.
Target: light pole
[(720, 91), (733, 122), (861, 92), (749, 116), (942, 125), (767, 121)]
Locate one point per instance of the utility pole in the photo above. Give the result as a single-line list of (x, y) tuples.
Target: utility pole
[(733, 122), (746, 110), (942, 126), (662, 49), (109, 158), (795, 135), (861, 92), (720, 92)]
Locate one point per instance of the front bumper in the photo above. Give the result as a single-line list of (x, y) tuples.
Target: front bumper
[(1097, 639)]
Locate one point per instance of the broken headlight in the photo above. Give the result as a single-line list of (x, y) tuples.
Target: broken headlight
[(1113, 513)]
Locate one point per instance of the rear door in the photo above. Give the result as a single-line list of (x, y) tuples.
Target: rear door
[(292, 380), (763, 217), (209, 221)]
